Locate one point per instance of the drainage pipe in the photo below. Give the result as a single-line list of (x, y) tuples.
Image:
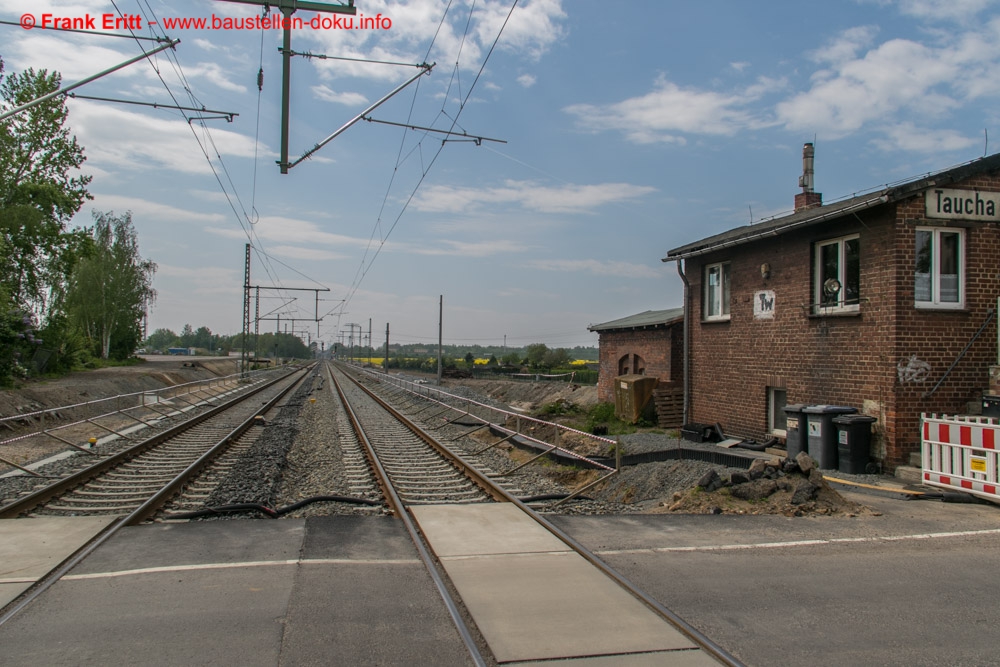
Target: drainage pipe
[(684, 330)]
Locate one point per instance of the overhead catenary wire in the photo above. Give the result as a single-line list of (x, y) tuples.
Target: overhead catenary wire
[(363, 269), (178, 71)]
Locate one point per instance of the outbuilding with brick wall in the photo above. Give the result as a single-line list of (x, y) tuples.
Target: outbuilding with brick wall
[(885, 302), (648, 343)]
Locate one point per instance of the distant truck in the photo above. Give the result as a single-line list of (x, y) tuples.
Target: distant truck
[(181, 351)]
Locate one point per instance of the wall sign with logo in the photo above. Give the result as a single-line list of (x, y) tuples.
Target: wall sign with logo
[(949, 204), (763, 305)]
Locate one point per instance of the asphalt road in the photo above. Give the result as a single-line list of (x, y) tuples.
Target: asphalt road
[(915, 586)]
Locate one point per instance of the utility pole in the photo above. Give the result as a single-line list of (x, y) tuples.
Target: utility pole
[(244, 353), (386, 364), (256, 325), (440, 338), (288, 8), (351, 339)]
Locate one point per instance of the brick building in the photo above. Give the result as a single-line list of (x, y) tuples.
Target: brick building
[(648, 343), (873, 302)]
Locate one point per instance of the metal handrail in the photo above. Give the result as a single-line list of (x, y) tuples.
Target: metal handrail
[(425, 392), (227, 382)]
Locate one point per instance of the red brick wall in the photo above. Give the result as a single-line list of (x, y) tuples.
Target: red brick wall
[(938, 337), (843, 360), (655, 346)]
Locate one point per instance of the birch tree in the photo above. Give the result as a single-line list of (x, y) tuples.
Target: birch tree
[(39, 192), (110, 289)]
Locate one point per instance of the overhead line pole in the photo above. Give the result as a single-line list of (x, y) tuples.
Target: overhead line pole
[(288, 8), (81, 82), (425, 68)]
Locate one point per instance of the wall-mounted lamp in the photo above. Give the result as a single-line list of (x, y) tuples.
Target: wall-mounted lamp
[(765, 270)]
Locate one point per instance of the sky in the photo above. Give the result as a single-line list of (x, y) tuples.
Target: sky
[(628, 129)]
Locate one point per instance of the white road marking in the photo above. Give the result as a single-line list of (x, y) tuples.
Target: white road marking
[(798, 543), (228, 566)]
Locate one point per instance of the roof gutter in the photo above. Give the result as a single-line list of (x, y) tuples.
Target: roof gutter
[(868, 203)]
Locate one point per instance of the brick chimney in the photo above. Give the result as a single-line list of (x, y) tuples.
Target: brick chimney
[(807, 198)]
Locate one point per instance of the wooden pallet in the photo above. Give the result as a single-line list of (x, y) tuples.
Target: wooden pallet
[(669, 399)]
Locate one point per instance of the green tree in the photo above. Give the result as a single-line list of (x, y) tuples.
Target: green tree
[(161, 339), (556, 358), (38, 196), (109, 290), (17, 343), (187, 336), (203, 338), (536, 354)]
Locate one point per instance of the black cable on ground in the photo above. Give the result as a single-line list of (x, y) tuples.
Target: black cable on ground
[(267, 511), (336, 499), (550, 496)]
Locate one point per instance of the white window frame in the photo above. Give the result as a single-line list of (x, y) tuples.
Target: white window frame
[(841, 307), (935, 302), (723, 303), (771, 413)]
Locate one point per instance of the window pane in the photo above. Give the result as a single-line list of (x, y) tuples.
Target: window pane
[(712, 292), (948, 263), (829, 270), (778, 416), (922, 284), (725, 289), (852, 271)]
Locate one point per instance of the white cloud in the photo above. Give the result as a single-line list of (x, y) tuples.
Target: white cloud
[(74, 57), (597, 267), (205, 44), (897, 77), (202, 280), (907, 137), (308, 254), (669, 111), (563, 199), (531, 30), (350, 99), (214, 74), (466, 249), (527, 80), (291, 231), (144, 208), (116, 139), (846, 45), (958, 10)]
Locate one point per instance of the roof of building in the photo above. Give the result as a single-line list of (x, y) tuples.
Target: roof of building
[(649, 318), (811, 216)]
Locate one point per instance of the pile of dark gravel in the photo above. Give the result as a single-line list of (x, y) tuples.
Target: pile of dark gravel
[(256, 477)]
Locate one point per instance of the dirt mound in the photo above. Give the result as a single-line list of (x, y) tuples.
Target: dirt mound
[(155, 373), (529, 396), (776, 486)]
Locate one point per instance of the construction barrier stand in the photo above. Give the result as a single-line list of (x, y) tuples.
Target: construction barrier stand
[(961, 453)]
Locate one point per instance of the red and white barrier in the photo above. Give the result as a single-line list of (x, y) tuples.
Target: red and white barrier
[(961, 453)]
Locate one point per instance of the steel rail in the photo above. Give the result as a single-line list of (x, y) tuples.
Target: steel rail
[(673, 619), (470, 470), (46, 493), (424, 392), (151, 506), (396, 503), (144, 510)]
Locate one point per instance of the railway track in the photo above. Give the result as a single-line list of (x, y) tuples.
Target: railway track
[(148, 473), (421, 471), (461, 519), (468, 527)]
